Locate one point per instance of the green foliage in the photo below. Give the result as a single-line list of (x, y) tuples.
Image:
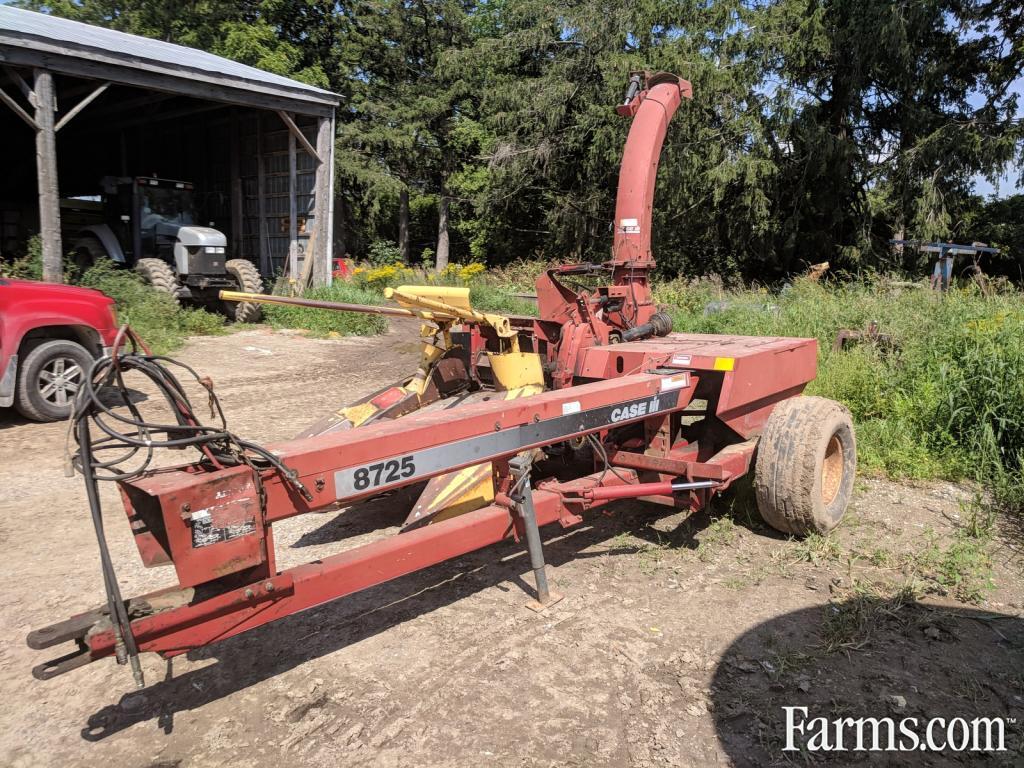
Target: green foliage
[(384, 252), (155, 316), (819, 129), (491, 298), (322, 322), (947, 401), (29, 266)]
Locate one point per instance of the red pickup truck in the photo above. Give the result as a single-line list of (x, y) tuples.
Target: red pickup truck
[(49, 336)]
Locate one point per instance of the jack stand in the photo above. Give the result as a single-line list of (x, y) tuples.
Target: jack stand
[(523, 499)]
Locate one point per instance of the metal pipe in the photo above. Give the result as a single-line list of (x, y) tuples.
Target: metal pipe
[(524, 502), (337, 306), (646, 489)]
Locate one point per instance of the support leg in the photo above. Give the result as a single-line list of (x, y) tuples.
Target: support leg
[(523, 499)]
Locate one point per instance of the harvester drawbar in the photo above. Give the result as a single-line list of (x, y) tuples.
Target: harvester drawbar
[(598, 381)]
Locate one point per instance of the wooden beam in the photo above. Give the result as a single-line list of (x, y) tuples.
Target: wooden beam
[(266, 263), (324, 178), (19, 81), (16, 108), (236, 187), (46, 170), (294, 129), (130, 106), (103, 126), (329, 227), (183, 83), (81, 105), (293, 209)]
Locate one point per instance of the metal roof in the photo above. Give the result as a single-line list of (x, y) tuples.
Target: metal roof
[(26, 36)]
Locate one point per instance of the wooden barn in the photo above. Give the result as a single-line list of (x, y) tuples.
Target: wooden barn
[(84, 104)]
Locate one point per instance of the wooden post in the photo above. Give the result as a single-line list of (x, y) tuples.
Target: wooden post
[(236, 188), (403, 223), (293, 211), (329, 224), (266, 265), (441, 259), (323, 190), (46, 171)]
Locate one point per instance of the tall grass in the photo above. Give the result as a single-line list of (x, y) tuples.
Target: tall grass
[(322, 322), (946, 401), (492, 298), (155, 316)]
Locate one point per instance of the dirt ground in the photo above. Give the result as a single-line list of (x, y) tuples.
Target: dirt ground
[(678, 641)]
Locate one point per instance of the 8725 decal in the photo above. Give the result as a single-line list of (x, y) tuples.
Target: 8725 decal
[(383, 472), (437, 459)]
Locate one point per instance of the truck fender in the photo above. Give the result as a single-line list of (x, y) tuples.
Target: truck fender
[(105, 235)]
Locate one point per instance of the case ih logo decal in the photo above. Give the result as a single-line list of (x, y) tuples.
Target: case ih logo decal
[(634, 411)]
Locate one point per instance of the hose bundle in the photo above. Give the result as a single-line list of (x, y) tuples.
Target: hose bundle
[(126, 446)]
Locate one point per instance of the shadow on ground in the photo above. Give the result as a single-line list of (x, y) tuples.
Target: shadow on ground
[(869, 657), (268, 651)]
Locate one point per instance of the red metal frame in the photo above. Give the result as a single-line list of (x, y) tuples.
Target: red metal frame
[(241, 587), (215, 526)]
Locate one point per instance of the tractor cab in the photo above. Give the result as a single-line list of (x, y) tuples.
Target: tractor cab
[(147, 214), (156, 218)]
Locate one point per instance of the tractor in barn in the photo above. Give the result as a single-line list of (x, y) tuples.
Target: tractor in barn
[(151, 225)]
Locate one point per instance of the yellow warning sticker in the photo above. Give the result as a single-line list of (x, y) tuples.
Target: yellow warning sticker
[(724, 363)]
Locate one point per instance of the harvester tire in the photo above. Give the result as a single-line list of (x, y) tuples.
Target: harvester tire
[(159, 275), (805, 466), (249, 281)]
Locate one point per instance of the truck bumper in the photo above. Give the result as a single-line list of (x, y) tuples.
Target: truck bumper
[(7, 382)]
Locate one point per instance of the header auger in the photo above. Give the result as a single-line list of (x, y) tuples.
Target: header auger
[(597, 381)]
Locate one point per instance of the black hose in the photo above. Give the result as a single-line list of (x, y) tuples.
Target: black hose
[(131, 435), (125, 645)]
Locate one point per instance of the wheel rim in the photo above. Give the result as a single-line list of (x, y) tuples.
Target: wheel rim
[(832, 470), (59, 380)]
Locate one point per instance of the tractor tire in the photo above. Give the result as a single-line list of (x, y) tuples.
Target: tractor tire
[(805, 466), (159, 275), (86, 251), (49, 379), (249, 281)]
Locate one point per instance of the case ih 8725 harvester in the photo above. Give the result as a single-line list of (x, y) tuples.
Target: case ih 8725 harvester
[(597, 380)]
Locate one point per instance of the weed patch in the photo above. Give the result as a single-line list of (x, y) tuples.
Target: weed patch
[(947, 400), (326, 323), (718, 535), (854, 614)]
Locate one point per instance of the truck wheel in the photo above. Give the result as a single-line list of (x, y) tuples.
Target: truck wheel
[(249, 281), (49, 378), (806, 462), (158, 273)]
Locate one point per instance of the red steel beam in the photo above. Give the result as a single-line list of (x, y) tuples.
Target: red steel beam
[(180, 630), (435, 443)]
